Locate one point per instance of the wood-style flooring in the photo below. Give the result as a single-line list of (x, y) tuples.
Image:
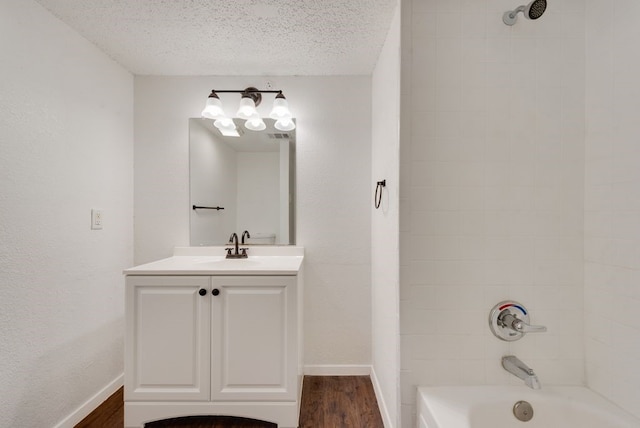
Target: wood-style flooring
[(339, 402), (109, 414), (327, 402)]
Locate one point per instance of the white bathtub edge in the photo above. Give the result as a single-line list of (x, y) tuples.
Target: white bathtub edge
[(462, 399)]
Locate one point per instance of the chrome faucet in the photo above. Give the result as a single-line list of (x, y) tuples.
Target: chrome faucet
[(513, 365), (509, 320), (245, 233), (240, 253)]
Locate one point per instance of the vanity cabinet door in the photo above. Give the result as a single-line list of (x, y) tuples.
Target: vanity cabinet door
[(254, 332), (167, 341)]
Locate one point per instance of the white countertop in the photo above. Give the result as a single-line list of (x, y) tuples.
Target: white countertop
[(262, 260)]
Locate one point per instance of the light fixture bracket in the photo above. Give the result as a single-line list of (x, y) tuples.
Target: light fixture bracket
[(251, 92)]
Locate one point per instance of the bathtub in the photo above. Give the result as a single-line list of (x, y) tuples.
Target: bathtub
[(492, 407)]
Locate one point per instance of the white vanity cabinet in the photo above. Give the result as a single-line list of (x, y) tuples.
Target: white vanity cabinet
[(167, 346), (253, 338), (212, 344)]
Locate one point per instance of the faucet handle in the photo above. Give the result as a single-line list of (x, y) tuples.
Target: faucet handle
[(509, 321), (523, 327), (515, 323)]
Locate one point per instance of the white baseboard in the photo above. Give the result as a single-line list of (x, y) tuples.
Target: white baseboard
[(384, 412), (337, 370), (91, 404)]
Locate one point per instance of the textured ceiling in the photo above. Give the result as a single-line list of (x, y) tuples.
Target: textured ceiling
[(247, 37)]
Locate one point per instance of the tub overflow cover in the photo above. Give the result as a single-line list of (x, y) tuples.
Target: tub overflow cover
[(523, 411)]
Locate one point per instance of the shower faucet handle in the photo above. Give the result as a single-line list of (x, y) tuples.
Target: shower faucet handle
[(509, 320)]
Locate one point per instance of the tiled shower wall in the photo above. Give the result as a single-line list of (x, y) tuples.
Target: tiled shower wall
[(612, 202), (492, 186)]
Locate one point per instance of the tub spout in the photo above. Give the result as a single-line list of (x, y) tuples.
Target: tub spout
[(513, 365), (532, 382)]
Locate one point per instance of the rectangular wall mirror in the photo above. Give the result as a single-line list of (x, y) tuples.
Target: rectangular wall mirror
[(241, 183)]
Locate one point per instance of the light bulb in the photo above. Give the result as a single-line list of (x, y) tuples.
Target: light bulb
[(280, 108), (285, 124), (255, 123), (247, 108), (213, 107)]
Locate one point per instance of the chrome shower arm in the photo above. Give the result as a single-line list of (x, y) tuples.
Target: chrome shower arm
[(517, 10)]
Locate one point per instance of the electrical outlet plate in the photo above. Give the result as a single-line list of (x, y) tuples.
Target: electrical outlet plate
[(96, 219)]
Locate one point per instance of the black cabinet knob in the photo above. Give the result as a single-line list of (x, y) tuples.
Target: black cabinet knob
[(215, 292), (202, 292)]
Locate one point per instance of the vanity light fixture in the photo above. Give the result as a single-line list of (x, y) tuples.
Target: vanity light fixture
[(281, 114), (213, 110), (248, 104), (213, 107), (251, 98)]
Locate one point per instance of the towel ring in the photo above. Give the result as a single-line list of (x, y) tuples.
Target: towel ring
[(378, 195)]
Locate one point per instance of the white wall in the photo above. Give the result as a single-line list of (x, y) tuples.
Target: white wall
[(385, 269), (492, 160), (612, 202), (333, 193), (65, 147), (214, 185)]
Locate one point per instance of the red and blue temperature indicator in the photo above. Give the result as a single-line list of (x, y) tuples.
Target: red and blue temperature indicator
[(510, 305)]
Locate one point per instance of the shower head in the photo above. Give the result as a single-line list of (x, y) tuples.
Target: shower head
[(533, 10)]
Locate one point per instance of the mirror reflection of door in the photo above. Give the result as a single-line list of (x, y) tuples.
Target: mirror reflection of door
[(251, 176)]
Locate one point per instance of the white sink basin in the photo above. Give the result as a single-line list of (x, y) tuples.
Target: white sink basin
[(223, 263), (211, 261)]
